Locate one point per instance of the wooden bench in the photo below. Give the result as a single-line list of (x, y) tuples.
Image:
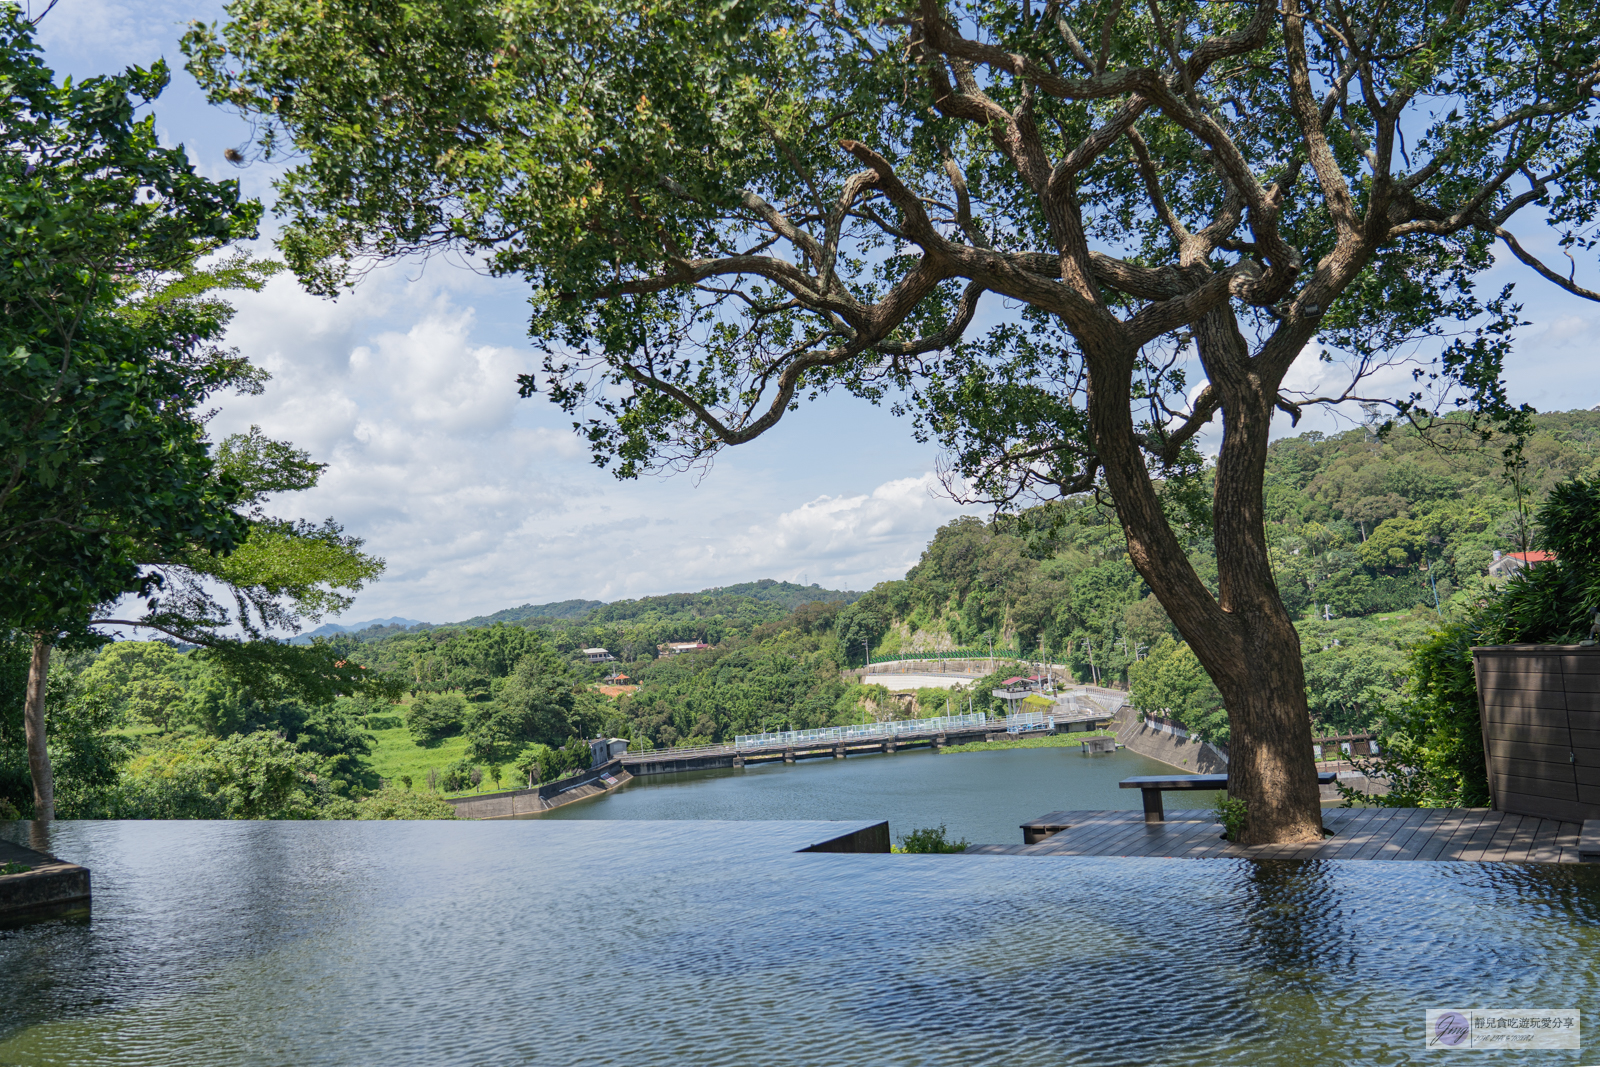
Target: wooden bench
[(1153, 785), (1589, 842), (1036, 830)]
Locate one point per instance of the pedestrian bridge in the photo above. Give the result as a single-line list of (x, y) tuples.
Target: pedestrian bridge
[(1075, 711)]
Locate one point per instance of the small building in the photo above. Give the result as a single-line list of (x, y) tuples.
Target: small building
[(598, 655), (678, 648), (1508, 563), (605, 749)]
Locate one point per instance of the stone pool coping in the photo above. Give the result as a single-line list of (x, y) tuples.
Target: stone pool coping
[(49, 885), (1426, 834)]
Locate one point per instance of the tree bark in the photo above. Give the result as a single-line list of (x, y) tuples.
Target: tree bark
[(1271, 766), (44, 786), (1245, 640)]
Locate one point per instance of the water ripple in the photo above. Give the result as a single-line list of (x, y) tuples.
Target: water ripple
[(648, 944)]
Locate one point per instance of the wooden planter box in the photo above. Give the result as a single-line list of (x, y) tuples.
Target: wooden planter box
[(1539, 706)]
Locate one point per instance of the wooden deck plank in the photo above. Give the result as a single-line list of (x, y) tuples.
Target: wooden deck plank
[(1456, 821), (1505, 839), (1173, 838), (1363, 834), (1086, 831), (1471, 844), (1142, 839), (1568, 839), (1120, 841), (1544, 848), (1451, 843), (1517, 851), (1415, 823), (1492, 845), (1352, 836), (1398, 823), (1406, 845), (1196, 839)]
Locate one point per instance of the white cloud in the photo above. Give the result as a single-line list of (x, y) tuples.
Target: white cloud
[(479, 500)]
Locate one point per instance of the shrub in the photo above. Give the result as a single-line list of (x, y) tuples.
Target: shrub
[(400, 804), (460, 776), (931, 839), (1233, 814), (436, 716), (384, 722)]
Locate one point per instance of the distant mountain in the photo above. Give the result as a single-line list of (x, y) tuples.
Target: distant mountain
[(564, 609), (771, 598), (716, 600), (328, 629)]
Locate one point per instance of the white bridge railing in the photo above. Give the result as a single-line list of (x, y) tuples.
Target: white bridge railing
[(862, 731)]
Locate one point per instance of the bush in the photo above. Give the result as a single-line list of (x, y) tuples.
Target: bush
[(460, 776), (399, 804), (931, 839), (246, 776), (1232, 814), (1431, 738), (436, 716), (384, 722)]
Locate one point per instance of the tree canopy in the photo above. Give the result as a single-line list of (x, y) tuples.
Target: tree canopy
[(1034, 220)]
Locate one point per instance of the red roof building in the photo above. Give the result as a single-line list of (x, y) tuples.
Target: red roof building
[(1509, 563)]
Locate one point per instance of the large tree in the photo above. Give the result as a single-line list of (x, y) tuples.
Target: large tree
[(110, 356), (1031, 216)]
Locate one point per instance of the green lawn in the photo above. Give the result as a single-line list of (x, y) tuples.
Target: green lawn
[(1045, 741), (397, 753)]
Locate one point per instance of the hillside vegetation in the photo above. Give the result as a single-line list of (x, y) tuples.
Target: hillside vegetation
[(1378, 542)]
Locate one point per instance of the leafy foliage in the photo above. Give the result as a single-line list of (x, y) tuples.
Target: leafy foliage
[(930, 839), (1432, 741), (102, 449)]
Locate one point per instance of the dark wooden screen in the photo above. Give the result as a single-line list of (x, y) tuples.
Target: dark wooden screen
[(1540, 708)]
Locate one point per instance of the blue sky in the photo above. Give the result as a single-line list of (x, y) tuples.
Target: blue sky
[(479, 500)]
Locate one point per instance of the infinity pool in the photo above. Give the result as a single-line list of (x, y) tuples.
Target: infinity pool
[(656, 943)]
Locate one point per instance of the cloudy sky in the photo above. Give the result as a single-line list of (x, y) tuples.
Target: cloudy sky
[(479, 500)]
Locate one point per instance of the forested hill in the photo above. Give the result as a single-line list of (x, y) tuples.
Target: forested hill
[(721, 600), (1374, 539), (709, 615)]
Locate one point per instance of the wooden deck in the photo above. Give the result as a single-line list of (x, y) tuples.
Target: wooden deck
[(1462, 834)]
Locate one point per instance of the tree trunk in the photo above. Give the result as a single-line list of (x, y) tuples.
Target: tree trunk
[(44, 786), (1245, 641)]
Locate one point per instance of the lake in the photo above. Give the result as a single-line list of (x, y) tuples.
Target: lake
[(980, 796), (607, 941)]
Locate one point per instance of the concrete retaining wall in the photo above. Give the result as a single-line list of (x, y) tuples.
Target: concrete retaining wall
[(1176, 747), (1171, 746), (874, 838), (50, 885), (514, 802)]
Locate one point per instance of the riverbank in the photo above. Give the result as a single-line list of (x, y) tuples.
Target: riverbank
[(1040, 741)]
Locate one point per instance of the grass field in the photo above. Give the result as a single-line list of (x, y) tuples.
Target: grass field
[(397, 753), (1047, 741)]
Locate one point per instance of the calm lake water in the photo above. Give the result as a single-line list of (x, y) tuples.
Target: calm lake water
[(603, 941), (980, 796)]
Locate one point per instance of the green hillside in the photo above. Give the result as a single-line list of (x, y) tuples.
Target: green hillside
[(1377, 542)]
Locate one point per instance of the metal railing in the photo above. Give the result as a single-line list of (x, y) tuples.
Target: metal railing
[(862, 731), (675, 753), (954, 653)]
